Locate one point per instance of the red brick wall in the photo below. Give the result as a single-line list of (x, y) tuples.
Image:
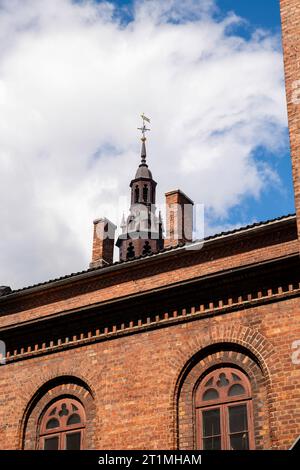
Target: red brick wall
[(290, 19), (140, 384), (137, 388)]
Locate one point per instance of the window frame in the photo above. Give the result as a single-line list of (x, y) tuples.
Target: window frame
[(223, 403), (63, 429)]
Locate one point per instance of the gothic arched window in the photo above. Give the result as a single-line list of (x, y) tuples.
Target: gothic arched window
[(63, 426), (136, 194), (224, 411)]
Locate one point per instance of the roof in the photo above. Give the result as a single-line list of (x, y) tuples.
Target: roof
[(143, 172), (180, 246)]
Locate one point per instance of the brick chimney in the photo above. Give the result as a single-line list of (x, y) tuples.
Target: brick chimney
[(179, 218), (103, 243)]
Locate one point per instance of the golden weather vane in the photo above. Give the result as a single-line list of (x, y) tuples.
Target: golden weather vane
[(144, 128)]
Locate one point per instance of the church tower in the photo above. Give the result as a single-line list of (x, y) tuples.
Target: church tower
[(142, 231)]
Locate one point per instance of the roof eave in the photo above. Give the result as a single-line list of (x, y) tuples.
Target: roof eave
[(170, 251)]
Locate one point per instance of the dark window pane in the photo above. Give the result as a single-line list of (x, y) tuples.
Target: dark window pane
[(235, 377), (238, 418), (145, 193), (73, 441), (64, 411), (74, 408), (211, 422), (52, 423), (53, 411), (74, 419), (209, 382), (212, 443), (223, 381), (210, 394), (51, 443), (239, 441), (236, 389)]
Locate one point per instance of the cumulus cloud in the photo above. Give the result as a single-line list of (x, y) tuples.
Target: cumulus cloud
[(74, 77)]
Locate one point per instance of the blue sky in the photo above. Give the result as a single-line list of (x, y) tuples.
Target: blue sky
[(265, 14), (259, 13), (273, 201)]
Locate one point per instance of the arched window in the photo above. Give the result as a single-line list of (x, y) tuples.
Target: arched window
[(224, 411), (62, 426), (136, 194), (145, 193)]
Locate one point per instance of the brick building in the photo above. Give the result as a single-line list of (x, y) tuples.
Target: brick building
[(172, 346)]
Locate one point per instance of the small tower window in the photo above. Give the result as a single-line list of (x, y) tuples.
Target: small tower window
[(145, 193), (152, 196), (136, 194)]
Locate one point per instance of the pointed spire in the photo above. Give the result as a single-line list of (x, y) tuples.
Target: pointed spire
[(143, 129), (123, 223), (143, 170), (143, 151), (136, 238)]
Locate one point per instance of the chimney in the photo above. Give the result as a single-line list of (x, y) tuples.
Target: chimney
[(103, 243), (179, 215)]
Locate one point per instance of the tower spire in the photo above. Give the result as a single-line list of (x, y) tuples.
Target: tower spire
[(142, 232), (143, 151), (144, 129)]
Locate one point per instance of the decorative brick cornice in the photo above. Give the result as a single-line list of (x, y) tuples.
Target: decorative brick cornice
[(212, 308)]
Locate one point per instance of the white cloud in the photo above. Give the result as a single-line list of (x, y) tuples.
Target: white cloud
[(73, 81)]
